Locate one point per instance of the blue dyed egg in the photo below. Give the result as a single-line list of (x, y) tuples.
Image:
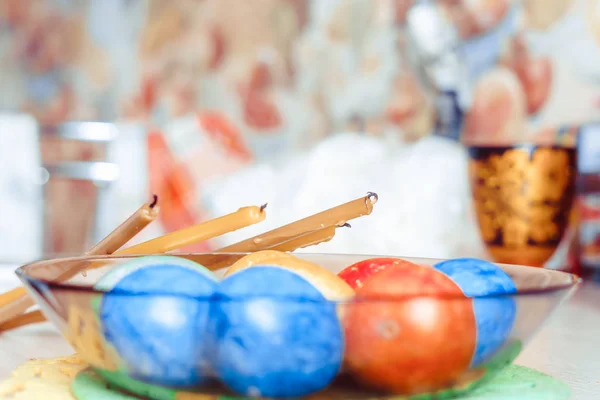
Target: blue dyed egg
[(275, 334), (495, 316), (155, 314)]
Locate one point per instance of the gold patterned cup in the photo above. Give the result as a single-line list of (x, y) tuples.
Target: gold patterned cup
[(523, 196)]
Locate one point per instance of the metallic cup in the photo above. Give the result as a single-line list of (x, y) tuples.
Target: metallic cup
[(523, 196)]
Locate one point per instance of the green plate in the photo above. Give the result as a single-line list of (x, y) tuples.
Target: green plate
[(514, 382)]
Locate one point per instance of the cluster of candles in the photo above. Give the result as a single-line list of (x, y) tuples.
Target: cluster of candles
[(315, 229)]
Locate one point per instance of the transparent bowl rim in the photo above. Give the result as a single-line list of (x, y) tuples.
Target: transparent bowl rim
[(524, 145), (63, 286)]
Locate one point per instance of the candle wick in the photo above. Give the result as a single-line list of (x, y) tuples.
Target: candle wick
[(154, 201), (262, 208), (373, 197)]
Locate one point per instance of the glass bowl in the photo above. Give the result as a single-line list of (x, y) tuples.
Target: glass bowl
[(422, 344)]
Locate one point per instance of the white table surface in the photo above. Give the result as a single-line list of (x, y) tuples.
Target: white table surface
[(567, 347)]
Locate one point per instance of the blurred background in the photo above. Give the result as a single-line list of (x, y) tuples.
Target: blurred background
[(304, 104)]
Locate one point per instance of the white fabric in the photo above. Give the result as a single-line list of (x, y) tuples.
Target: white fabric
[(424, 206)]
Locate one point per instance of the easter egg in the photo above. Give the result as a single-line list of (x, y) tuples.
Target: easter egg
[(263, 257), (495, 316), (409, 330), (356, 274), (155, 312), (332, 287), (274, 334)]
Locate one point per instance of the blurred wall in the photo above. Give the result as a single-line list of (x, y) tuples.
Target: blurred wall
[(288, 72), (219, 84)]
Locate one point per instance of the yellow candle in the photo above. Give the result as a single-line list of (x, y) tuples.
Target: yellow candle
[(214, 262), (242, 218), (120, 236), (12, 295), (336, 216), (127, 230), (16, 301), (309, 239), (23, 319)]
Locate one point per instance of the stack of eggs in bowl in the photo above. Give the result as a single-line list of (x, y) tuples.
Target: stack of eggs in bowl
[(275, 325)]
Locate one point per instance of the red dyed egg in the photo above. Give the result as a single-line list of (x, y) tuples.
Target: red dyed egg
[(421, 341), (357, 274)]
